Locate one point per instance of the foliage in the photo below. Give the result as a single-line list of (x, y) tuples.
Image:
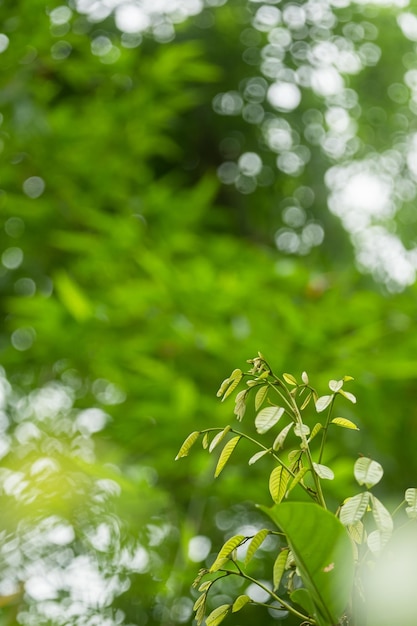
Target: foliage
[(326, 564), (133, 271)]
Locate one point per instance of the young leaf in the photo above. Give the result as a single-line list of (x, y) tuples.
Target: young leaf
[(185, 448), (280, 439), (218, 438), (298, 478), (344, 423), (218, 615), (354, 509), (290, 379), (233, 384), (382, 517), (357, 532), (377, 540), (225, 455), (240, 404), (323, 471), (278, 482), (205, 586), (301, 430), (306, 401), (258, 456), (304, 378), (367, 472), (200, 600), (279, 567), (411, 499), (323, 402), (199, 616), (267, 418), (317, 428), (240, 602), (256, 541), (260, 396), (335, 385), (226, 550), (205, 441), (348, 395)]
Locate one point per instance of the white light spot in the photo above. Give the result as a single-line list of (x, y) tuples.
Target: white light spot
[(91, 421), (284, 96), (199, 548), (4, 42), (250, 163), (23, 338), (12, 258), (130, 18), (326, 81), (34, 186)]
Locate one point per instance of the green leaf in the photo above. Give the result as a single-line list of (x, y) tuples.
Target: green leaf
[(303, 598), (377, 540), (354, 508), (218, 438), (323, 553), (344, 423), (347, 395), (240, 602), (260, 396), (367, 472), (278, 482), (304, 378), (205, 586), (205, 441), (290, 379), (218, 615), (190, 441), (267, 418), (256, 541), (279, 567), (280, 439), (301, 430), (298, 478), (317, 428), (322, 403), (306, 401), (226, 550), (258, 456), (72, 297), (323, 471), (382, 517), (225, 455), (335, 385), (233, 384), (411, 499), (200, 600)]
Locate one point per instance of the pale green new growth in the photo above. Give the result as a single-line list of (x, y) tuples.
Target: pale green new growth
[(321, 556)]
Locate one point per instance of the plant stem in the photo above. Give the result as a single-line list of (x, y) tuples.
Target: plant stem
[(325, 429)]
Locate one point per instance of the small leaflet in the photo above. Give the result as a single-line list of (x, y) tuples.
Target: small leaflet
[(323, 402), (344, 423), (218, 615), (218, 438), (348, 395), (255, 543), (290, 379), (225, 455), (304, 378), (278, 482), (323, 471), (367, 472), (260, 396), (258, 456), (280, 439), (279, 567), (267, 418), (354, 508), (240, 602), (226, 550), (190, 441), (335, 385)]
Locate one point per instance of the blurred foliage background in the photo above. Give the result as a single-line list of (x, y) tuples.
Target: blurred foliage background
[(183, 184)]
